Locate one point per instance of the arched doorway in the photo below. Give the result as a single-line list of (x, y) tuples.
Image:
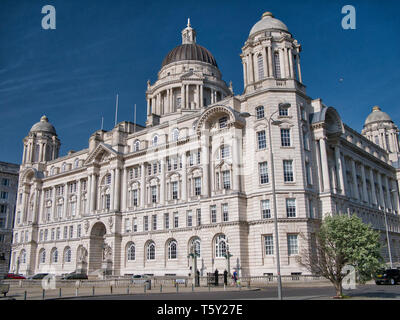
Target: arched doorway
[(96, 246)]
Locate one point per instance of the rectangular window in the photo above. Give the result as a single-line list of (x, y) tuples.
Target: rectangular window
[(261, 140), (191, 159), (3, 208), (260, 112), (288, 170), (4, 195), (283, 112), (58, 233), (291, 208), (65, 232), (154, 221), (134, 224), (277, 65), (73, 209), (145, 223), (2, 222), (310, 208), (166, 221), (71, 232), (265, 209), (175, 190), (127, 225), (176, 220), (53, 234), (134, 198), (213, 212), (226, 178), (198, 157), (79, 231), (293, 247), (149, 170), (198, 214), (225, 213), (225, 152), (263, 171), (189, 216), (59, 211), (269, 245), (108, 201), (285, 137), (197, 186), (308, 173), (154, 168), (41, 235), (260, 66), (154, 194), (48, 213), (46, 234), (222, 122), (5, 182)]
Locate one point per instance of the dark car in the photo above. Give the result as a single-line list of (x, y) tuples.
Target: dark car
[(75, 276), (14, 276), (38, 276), (388, 276)]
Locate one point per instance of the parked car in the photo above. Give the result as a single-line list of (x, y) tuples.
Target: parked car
[(14, 276), (75, 276), (38, 276), (388, 276), (139, 279)]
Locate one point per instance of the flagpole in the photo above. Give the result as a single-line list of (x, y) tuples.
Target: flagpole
[(116, 111), (102, 121), (134, 120)]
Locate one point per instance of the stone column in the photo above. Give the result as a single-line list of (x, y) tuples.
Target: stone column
[(187, 105), (65, 214), (292, 73), (364, 182), (124, 189), (251, 68), (355, 184), (324, 164), (373, 190), (205, 163), (117, 189), (93, 194), (198, 97), (183, 97), (162, 182), (89, 194), (142, 185), (388, 194), (299, 68), (381, 200), (244, 73), (184, 177), (236, 159), (340, 170), (36, 201), (264, 55), (41, 211), (201, 96), (286, 56), (270, 68), (112, 189), (78, 199), (148, 106)]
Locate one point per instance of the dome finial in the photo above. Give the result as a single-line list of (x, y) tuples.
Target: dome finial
[(376, 108), (44, 119), (188, 34), (188, 24), (267, 14)]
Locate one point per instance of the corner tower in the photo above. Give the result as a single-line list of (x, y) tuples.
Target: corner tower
[(270, 56)]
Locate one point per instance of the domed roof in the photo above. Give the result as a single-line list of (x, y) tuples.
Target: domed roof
[(189, 51), (377, 115), (268, 22), (43, 126)]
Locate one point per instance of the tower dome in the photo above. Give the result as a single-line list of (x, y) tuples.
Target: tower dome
[(43, 126), (189, 50), (377, 115), (268, 22)]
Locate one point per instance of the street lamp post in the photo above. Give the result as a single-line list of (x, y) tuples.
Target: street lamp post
[(388, 241), (193, 254), (277, 123)]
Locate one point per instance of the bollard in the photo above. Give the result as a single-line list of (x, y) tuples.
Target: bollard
[(59, 293), (160, 287), (209, 288), (224, 287), (111, 289), (177, 287), (25, 295), (76, 292), (93, 291), (127, 290), (43, 294), (192, 287), (144, 287)]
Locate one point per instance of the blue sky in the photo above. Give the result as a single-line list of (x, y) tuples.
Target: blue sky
[(104, 47)]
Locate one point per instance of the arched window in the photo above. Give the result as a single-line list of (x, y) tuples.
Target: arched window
[(260, 112), (136, 145), (23, 256), (172, 249), (260, 66), (42, 256), (54, 256), (277, 65), (52, 171), (131, 252), (151, 251), (175, 134), (67, 255), (196, 243), (155, 141), (220, 246), (76, 163)]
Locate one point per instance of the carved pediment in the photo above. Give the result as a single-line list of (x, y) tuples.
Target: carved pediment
[(102, 153)]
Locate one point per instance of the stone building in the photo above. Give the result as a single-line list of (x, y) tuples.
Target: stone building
[(8, 198), (199, 176)]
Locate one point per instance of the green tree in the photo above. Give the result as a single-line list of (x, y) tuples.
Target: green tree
[(342, 240)]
